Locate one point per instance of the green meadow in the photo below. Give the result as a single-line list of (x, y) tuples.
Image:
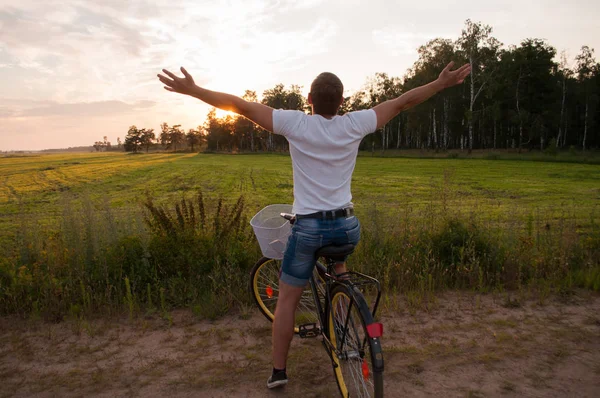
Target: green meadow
[(35, 184), (79, 225)]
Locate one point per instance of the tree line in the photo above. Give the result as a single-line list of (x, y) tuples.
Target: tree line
[(171, 137), (517, 97)]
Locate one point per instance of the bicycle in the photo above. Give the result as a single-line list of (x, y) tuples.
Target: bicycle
[(332, 306)]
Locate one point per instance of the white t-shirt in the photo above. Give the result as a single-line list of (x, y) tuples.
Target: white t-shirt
[(323, 155)]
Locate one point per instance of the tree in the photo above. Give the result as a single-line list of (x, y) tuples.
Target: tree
[(355, 102), (433, 57), (177, 136), (171, 136), (211, 126), (245, 124), (536, 89), (564, 74), (147, 137), (133, 139), (194, 137), (165, 135), (102, 145), (480, 49), (382, 88), (585, 71), (280, 98), (516, 97)]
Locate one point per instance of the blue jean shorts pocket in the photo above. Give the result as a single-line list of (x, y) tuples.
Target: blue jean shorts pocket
[(307, 244), (353, 234)]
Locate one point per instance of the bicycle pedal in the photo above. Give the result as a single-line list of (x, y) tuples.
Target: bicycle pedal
[(308, 330)]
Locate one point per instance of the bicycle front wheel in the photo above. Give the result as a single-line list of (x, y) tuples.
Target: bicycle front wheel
[(264, 287), (356, 353)]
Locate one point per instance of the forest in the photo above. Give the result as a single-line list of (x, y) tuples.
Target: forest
[(519, 97)]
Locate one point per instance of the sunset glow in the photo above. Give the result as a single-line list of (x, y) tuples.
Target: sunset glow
[(221, 113), (75, 72)]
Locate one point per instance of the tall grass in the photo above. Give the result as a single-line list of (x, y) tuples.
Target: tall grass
[(101, 261), (446, 245), (197, 254), (550, 154)]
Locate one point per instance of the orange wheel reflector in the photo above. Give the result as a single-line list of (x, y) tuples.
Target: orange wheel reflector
[(269, 292), (365, 370)]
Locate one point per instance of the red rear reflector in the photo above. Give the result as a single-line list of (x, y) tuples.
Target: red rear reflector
[(375, 330), (365, 370), (269, 292)]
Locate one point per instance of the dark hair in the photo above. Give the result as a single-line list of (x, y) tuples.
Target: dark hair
[(326, 92)]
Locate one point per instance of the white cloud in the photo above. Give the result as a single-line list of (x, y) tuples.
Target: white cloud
[(109, 51), (99, 59), (400, 41), (102, 108)]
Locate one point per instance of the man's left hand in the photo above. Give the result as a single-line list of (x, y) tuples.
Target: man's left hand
[(451, 78)]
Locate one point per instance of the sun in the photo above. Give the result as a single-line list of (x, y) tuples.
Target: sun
[(221, 113)]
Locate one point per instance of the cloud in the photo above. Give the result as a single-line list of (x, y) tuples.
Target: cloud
[(20, 104), (60, 59), (85, 109), (6, 112), (99, 58), (398, 41), (93, 109), (112, 50)]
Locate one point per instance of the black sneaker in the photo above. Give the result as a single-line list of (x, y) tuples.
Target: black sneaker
[(278, 379)]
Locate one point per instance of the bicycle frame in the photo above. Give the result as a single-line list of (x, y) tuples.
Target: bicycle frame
[(353, 280)]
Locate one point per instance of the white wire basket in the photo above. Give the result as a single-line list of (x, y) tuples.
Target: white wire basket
[(272, 230)]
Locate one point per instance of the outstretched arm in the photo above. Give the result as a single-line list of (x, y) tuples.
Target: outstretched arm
[(387, 110), (258, 113)]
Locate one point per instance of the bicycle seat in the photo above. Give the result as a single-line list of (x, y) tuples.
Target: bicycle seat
[(335, 252)]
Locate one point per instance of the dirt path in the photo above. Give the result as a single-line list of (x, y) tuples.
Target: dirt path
[(456, 345)]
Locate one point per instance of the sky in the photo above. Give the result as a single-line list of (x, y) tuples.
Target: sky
[(74, 71)]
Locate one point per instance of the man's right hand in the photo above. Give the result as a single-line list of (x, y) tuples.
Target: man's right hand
[(181, 85), (257, 112), (450, 78)]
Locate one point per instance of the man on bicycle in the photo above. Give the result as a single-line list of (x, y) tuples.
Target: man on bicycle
[(323, 147)]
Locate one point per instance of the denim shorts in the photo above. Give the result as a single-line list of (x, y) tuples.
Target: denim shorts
[(309, 235)]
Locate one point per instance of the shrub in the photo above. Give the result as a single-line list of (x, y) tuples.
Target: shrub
[(188, 249), (462, 255), (197, 255), (551, 149)]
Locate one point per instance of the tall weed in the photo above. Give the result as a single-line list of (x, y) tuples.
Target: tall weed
[(197, 254)]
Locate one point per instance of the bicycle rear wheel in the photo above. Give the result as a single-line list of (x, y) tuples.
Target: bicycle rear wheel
[(264, 287), (358, 358)]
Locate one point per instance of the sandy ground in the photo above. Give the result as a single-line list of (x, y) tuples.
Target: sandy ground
[(453, 345)]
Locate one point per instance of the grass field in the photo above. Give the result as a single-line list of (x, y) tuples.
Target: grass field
[(35, 184), (73, 235)]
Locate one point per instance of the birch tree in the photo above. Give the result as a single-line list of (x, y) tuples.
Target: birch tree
[(382, 88), (585, 68), (564, 74), (479, 48)]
